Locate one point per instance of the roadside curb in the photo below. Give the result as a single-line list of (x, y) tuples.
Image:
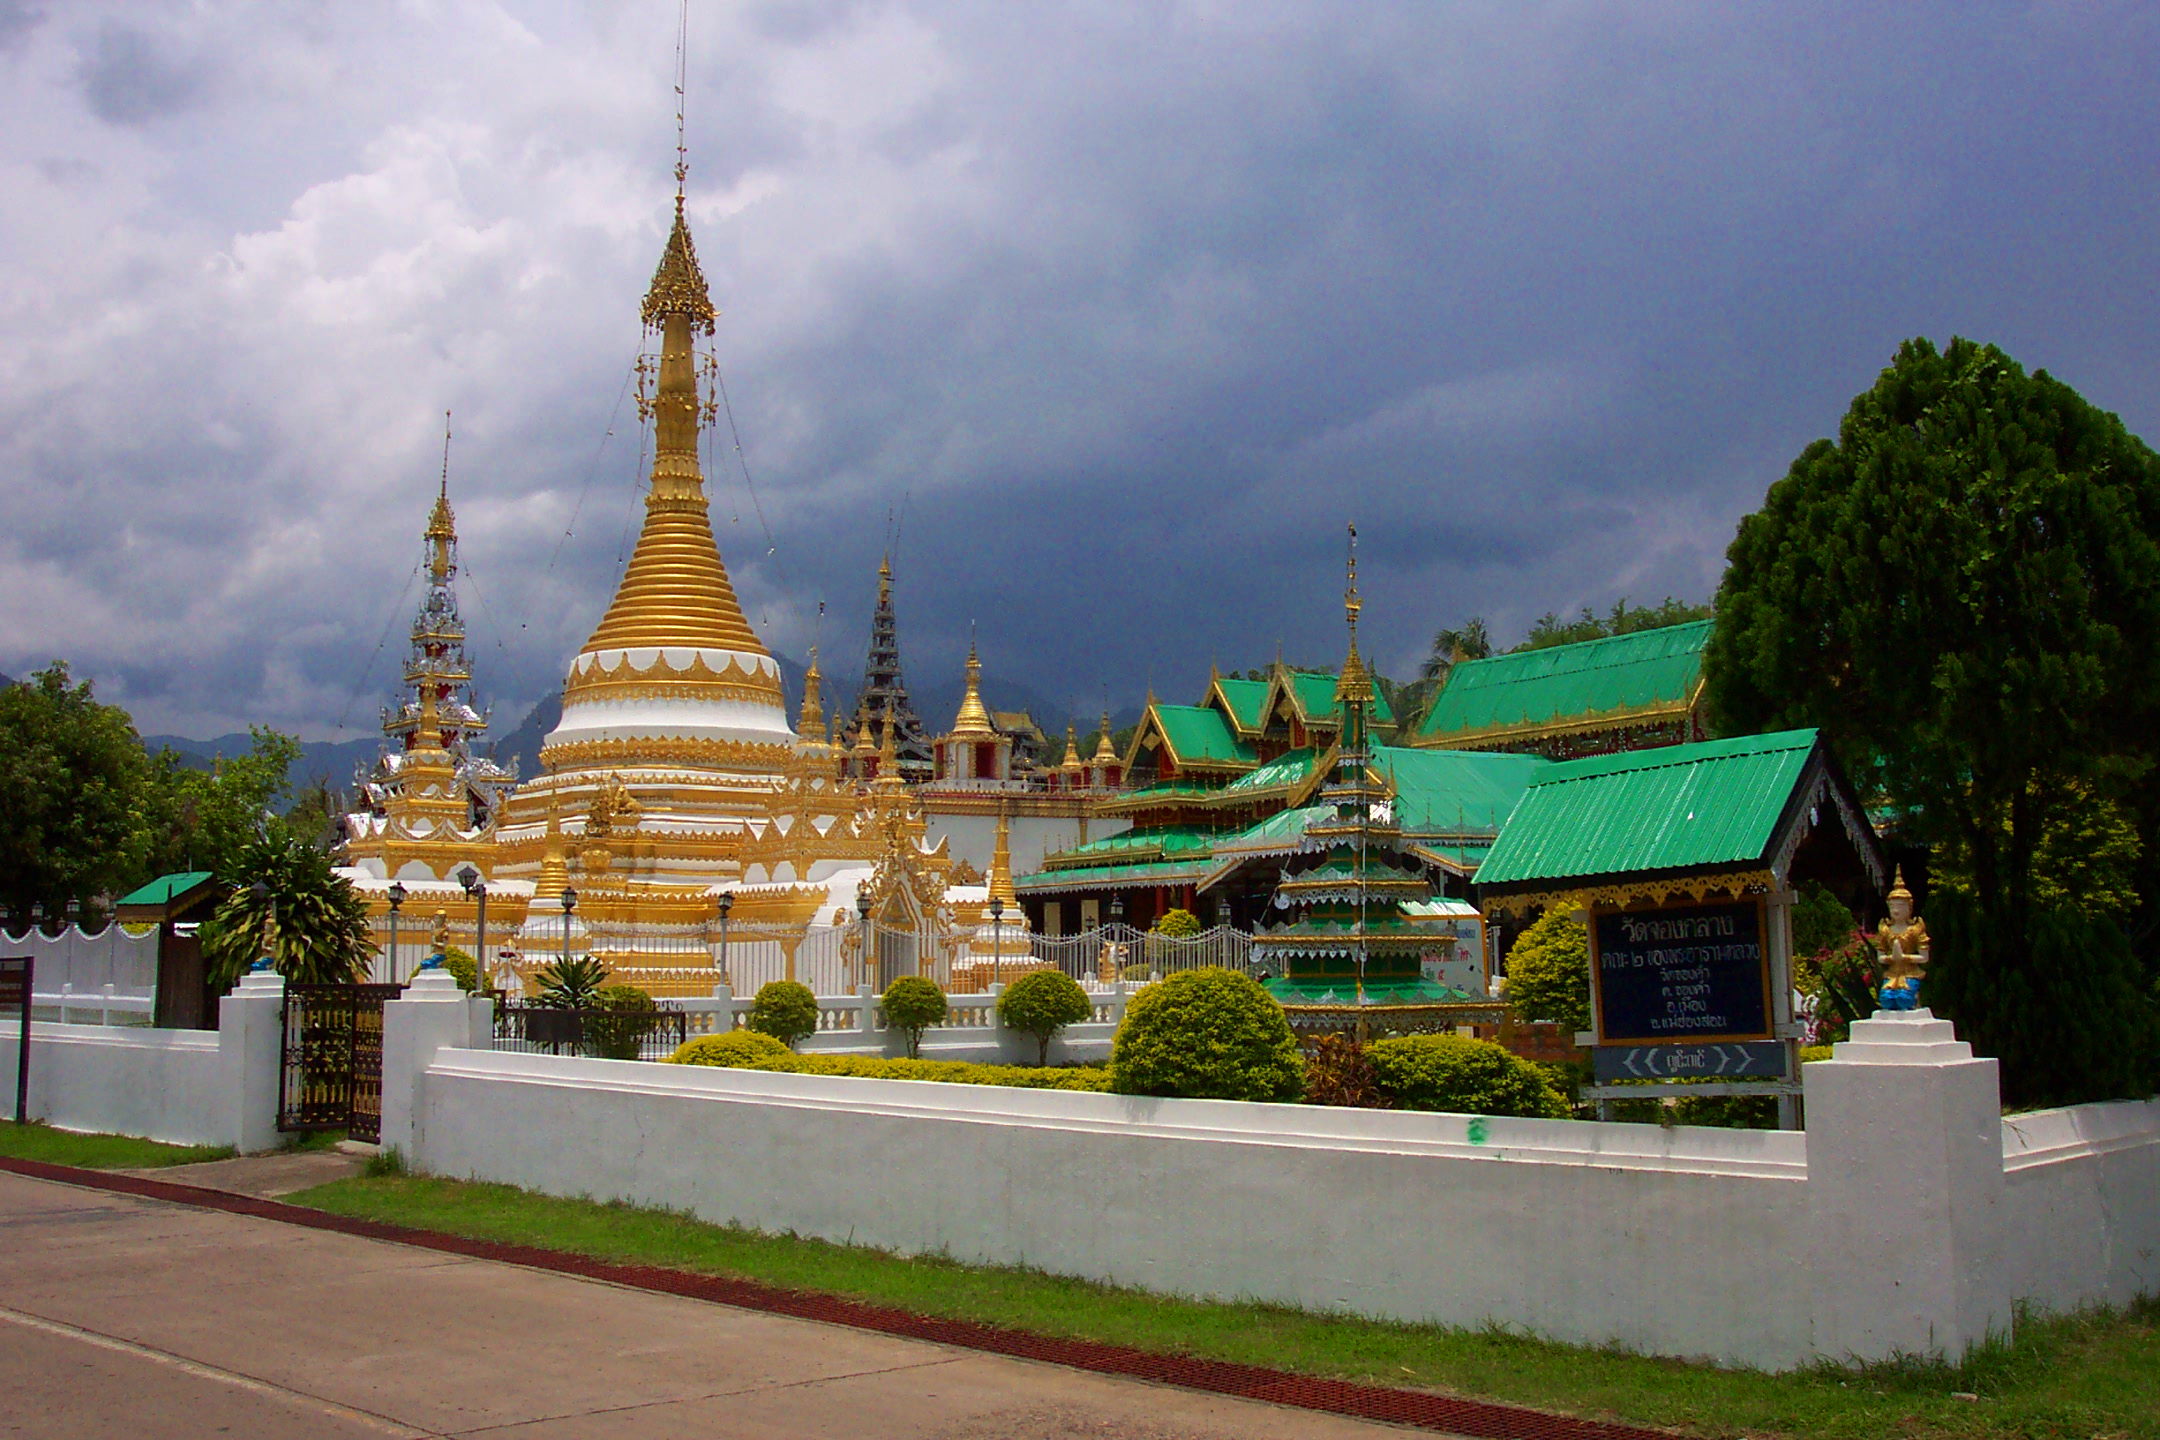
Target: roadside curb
[(1419, 1408)]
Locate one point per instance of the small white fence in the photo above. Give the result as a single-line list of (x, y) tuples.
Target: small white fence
[(107, 977)]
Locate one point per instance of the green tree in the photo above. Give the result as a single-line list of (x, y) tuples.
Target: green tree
[(1961, 592), (787, 1010), (322, 928), (75, 791), (1624, 619), (206, 819), (1548, 972), (1455, 644), (1042, 1003), (913, 1003)]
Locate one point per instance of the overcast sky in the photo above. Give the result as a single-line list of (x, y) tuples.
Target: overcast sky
[(1126, 309)]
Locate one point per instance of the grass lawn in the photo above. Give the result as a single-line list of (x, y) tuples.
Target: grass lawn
[(2086, 1377), (97, 1152)]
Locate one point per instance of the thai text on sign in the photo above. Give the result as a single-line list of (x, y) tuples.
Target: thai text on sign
[(1697, 972)]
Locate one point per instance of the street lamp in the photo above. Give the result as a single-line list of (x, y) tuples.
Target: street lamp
[(727, 903), (997, 941), (37, 916), (396, 894), (569, 903), (1117, 909), (862, 910), (74, 908), (476, 887)]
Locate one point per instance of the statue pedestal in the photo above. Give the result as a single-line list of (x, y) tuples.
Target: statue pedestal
[(1905, 1191)]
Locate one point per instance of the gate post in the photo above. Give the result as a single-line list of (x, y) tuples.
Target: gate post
[(431, 1015), (251, 1043)]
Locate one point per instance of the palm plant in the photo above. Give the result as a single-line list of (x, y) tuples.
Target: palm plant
[(572, 983), (320, 930)]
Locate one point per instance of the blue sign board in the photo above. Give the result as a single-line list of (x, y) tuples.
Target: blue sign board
[(1685, 972)]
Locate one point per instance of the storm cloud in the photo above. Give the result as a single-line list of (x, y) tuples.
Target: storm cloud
[(1120, 313)]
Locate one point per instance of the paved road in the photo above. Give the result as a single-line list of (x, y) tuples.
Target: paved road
[(131, 1317)]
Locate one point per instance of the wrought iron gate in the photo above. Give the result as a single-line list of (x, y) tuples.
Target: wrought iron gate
[(330, 1070)]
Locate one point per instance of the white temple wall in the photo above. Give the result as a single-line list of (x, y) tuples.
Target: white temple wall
[(973, 837)]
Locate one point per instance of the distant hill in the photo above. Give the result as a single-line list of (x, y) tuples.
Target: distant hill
[(333, 761)]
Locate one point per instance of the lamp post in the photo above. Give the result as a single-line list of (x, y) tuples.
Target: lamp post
[(727, 903), (73, 909), (396, 895), (569, 903), (476, 887), (37, 917), (862, 910), (997, 941)]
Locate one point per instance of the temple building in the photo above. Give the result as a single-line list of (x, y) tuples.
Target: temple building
[(1224, 795), (1595, 697), (430, 803), (883, 704), (992, 795), (1355, 922)]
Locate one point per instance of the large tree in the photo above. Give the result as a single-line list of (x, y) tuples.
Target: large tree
[(75, 787), (1963, 592)]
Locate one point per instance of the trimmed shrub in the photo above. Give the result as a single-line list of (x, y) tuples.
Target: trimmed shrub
[(462, 967), (1727, 1112), (1461, 1076), (1178, 924), (625, 1018), (1337, 1073), (1042, 1003), (1548, 972), (1207, 1034), (785, 1010), (912, 1005), (735, 1050)]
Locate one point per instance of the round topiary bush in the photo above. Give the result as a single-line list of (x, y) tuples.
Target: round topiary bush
[(1206, 1034), (736, 1050), (1178, 924), (912, 1005), (1462, 1076), (1041, 1004), (785, 1010)]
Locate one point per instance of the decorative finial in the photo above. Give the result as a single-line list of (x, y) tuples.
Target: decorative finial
[(1351, 603), (682, 75)]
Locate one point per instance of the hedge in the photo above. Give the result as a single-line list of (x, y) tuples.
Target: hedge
[(730, 1052), (1461, 1076)]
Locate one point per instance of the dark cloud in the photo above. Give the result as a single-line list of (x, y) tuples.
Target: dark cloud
[(129, 78), (17, 19), (1124, 312)]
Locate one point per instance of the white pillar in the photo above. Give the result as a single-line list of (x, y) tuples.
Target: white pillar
[(251, 1040), (431, 1015), (1905, 1191)]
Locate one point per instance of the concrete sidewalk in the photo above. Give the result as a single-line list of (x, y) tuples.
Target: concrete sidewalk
[(128, 1316)]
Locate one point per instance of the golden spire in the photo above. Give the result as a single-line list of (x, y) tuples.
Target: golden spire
[(1104, 755), (1072, 748), (441, 532), (884, 579), (675, 592), (1001, 884), (554, 870), (1355, 682), (429, 735), (973, 721), (812, 725), (888, 759), (865, 747)]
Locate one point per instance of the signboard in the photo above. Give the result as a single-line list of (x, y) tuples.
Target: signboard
[(1737, 1060), (15, 978), (1682, 973)]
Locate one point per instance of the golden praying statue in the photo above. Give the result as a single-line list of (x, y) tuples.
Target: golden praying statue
[(441, 938), (1901, 944)]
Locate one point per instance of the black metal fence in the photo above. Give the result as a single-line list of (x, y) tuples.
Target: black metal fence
[(602, 1034)]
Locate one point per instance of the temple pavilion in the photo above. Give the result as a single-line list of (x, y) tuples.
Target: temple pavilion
[(1595, 697)]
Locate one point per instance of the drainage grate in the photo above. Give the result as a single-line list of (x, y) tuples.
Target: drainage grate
[(1251, 1382)]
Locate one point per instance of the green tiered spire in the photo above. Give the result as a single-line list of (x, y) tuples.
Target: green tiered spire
[(1354, 932)]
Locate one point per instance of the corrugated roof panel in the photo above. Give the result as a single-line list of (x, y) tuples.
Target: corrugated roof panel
[(1200, 734), (1247, 699), (1679, 807), (1649, 668), (1453, 790)]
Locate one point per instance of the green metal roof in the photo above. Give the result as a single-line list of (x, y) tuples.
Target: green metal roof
[(1112, 877), (1167, 841), (1621, 674), (1199, 735), (1247, 700), (162, 890), (1316, 697), (1680, 807), (1290, 768), (1455, 791)]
